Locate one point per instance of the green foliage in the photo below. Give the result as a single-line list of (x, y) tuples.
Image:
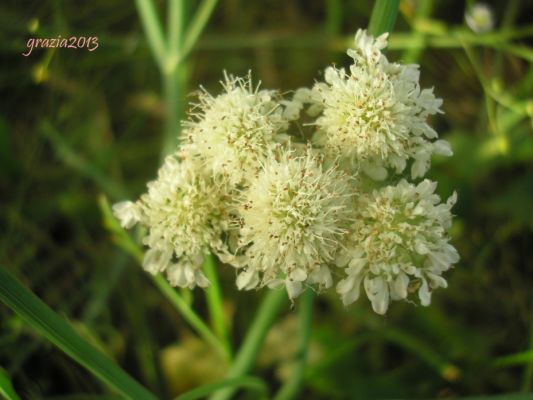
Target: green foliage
[(41, 318), (76, 124)]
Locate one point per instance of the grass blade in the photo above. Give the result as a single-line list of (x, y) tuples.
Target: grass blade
[(50, 325), (6, 388), (383, 16), (522, 358), (197, 26), (256, 384)]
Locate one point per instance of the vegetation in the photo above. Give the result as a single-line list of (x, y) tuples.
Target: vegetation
[(82, 129)]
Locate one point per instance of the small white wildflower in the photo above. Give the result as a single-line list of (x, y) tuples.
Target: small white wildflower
[(480, 18), (183, 214), (232, 132), (293, 218), (398, 244), (375, 115)]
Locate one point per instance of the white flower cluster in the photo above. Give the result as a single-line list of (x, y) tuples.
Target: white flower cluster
[(246, 185)]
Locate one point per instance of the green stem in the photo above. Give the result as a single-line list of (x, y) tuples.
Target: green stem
[(152, 28), (268, 311), (214, 302), (292, 387), (190, 316), (174, 82), (423, 11), (125, 241), (175, 27), (383, 16), (197, 26), (528, 370)]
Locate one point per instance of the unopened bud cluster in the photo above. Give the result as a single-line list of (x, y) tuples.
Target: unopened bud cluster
[(323, 188)]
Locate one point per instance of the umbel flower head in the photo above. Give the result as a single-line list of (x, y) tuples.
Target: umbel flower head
[(183, 212), (292, 220), (375, 115), (397, 244), (245, 185)]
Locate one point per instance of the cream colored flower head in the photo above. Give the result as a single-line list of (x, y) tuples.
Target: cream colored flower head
[(397, 245), (234, 131), (374, 116), (246, 186), (183, 214), (293, 218)]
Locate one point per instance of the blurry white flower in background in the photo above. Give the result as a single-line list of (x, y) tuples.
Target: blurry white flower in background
[(480, 18)]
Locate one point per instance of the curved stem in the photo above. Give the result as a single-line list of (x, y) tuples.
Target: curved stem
[(196, 26), (292, 387), (152, 29), (214, 302), (268, 311), (190, 316)]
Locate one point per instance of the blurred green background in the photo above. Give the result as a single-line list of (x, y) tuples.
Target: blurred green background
[(76, 124)]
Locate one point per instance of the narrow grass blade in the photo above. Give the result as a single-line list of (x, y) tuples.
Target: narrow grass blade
[(197, 26), (75, 161), (6, 388), (50, 325), (83, 397), (383, 16), (522, 358), (409, 342), (250, 382)]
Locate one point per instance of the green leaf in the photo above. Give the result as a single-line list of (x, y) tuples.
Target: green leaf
[(50, 325), (6, 388), (383, 16), (521, 358), (256, 384)]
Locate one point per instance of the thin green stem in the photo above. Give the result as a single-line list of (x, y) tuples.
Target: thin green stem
[(214, 302), (250, 382), (197, 26), (268, 311), (175, 27), (423, 11), (174, 85), (528, 370), (383, 16), (124, 241), (189, 315), (152, 28), (292, 387)]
